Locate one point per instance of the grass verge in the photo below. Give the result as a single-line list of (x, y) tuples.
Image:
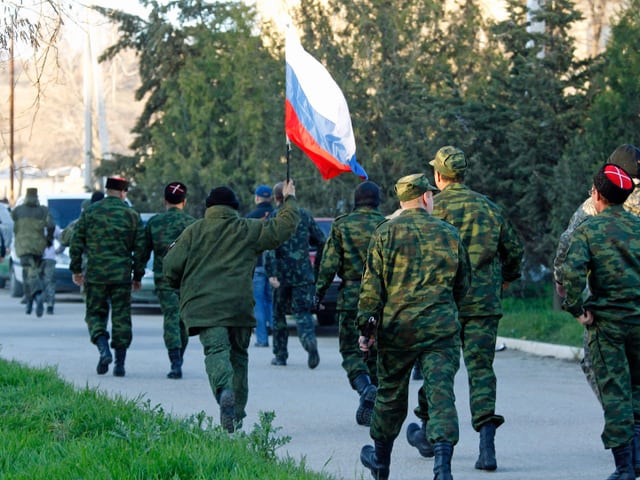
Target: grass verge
[(50, 430)]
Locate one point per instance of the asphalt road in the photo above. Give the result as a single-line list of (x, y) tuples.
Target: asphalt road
[(552, 429)]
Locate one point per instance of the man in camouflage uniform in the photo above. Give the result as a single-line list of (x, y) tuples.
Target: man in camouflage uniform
[(291, 275), (625, 156), (33, 230), (416, 273), (605, 254), (212, 264), (344, 254), (495, 252), (161, 231), (112, 235)]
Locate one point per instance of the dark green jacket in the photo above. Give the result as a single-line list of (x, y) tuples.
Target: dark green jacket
[(494, 248), (212, 264), (33, 227), (345, 252), (112, 235), (417, 271), (161, 231), (605, 251)]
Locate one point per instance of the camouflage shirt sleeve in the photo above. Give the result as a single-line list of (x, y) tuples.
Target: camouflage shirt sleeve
[(583, 212)]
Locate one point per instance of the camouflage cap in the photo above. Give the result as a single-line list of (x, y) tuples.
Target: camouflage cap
[(412, 186), (449, 161)]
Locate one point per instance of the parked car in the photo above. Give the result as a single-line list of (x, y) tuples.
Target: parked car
[(6, 230), (64, 208), (327, 315)]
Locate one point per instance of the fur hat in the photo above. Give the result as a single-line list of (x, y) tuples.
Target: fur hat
[(367, 194), (223, 196), (117, 183), (613, 183), (175, 193)]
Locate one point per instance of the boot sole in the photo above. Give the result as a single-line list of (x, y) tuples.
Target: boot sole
[(227, 410), (365, 410), (103, 365), (314, 359), (424, 448)]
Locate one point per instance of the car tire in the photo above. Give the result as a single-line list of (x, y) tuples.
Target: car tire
[(15, 287)]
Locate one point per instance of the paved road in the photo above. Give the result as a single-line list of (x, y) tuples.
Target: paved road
[(553, 420)]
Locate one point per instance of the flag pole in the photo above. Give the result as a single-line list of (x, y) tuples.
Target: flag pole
[(288, 156)]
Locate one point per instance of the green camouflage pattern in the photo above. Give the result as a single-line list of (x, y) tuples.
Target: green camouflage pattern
[(33, 228), (112, 235), (48, 270), (159, 233), (494, 248), (296, 300), (417, 271), (615, 348), (290, 261), (604, 254), (584, 211), (344, 254), (32, 283), (67, 234), (98, 297)]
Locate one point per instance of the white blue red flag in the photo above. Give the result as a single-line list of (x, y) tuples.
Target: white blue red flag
[(317, 117)]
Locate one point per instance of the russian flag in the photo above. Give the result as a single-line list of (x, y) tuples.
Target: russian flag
[(317, 117)]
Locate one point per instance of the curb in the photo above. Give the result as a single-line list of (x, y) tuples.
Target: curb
[(562, 352)]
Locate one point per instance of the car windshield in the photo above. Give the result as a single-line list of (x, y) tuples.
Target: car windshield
[(64, 210)]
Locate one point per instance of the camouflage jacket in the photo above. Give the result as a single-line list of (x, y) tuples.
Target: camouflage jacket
[(605, 252), (160, 232), (494, 248), (417, 271), (583, 212), (290, 262), (345, 252), (212, 264), (112, 235), (33, 227)]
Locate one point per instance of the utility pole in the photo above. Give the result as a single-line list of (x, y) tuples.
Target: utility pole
[(12, 168)]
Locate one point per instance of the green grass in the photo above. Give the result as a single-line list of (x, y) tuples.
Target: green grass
[(536, 319), (49, 430)]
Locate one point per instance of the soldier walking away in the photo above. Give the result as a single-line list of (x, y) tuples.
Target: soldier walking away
[(48, 273), (604, 253), (495, 252), (160, 232), (344, 255), (262, 293), (33, 229), (112, 236), (212, 264), (417, 272), (291, 275)]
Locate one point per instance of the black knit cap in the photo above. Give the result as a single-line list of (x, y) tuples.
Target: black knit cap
[(117, 183), (223, 196), (614, 183), (175, 193), (367, 194)]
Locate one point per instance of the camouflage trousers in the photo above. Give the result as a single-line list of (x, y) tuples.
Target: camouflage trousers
[(226, 360), (352, 359), (615, 357), (296, 299), (174, 331), (99, 297), (49, 280), (31, 275), (587, 367), (478, 337), (439, 363)]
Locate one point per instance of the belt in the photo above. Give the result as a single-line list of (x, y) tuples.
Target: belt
[(351, 282)]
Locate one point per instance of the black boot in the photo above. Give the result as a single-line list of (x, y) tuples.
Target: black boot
[(367, 391), (118, 368), (377, 459), (175, 357), (417, 437), (635, 453), (227, 410), (442, 463), (487, 458), (39, 298), (624, 463), (29, 306), (102, 342)]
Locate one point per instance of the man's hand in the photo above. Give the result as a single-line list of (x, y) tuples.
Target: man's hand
[(274, 282), (562, 293), (288, 188), (78, 279), (586, 318)]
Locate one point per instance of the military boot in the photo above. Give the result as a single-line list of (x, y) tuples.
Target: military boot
[(175, 357), (377, 459), (487, 458), (39, 297), (227, 410), (442, 462), (635, 453), (417, 437), (102, 342), (118, 368), (29, 306), (624, 464), (367, 391)]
